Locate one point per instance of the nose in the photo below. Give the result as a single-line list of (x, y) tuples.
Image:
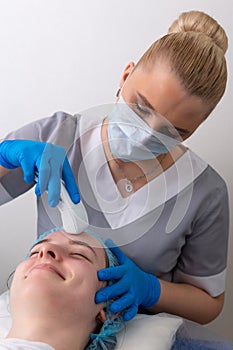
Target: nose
[(49, 251)]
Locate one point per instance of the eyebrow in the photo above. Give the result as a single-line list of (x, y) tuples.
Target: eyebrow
[(147, 103), (71, 242)]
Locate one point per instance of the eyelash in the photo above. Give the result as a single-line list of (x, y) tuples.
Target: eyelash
[(79, 254), (143, 110), (72, 254), (140, 109), (33, 253)]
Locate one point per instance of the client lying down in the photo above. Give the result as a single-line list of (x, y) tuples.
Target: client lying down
[(52, 304), (52, 296)]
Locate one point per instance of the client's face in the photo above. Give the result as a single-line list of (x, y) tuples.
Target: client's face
[(60, 275)]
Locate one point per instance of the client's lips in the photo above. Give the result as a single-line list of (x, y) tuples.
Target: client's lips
[(48, 267)]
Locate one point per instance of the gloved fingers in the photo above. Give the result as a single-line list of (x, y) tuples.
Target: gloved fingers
[(54, 184), (37, 189), (110, 292), (28, 171), (70, 183), (111, 273), (42, 182), (49, 172), (131, 312), (121, 257), (44, 173), (124, 302), (44, 168)]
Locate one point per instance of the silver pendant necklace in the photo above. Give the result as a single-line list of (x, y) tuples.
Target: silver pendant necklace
[(128, 183)]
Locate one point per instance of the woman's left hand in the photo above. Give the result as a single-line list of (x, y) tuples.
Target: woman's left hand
[(132, 287)]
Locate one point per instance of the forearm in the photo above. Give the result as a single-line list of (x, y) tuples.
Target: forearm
[(3, 171), (189, 302)]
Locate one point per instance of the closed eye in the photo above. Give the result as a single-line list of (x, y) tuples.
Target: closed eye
[(33, 253), (141, 110), (78, 255)]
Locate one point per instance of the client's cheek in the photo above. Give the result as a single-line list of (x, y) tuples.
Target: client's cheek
[(21, 270), (18, 280), (101, 284), (98, 284)]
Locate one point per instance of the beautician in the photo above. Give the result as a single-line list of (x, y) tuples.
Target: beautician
[(164, 207)]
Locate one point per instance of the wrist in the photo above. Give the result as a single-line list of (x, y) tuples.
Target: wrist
[(153, 291)]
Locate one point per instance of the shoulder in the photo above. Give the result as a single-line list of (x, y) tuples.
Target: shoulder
[(210, 194), (48, 128), (213, 184), (209, 177), (58, 118)]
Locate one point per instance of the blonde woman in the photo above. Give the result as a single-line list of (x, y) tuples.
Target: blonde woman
[(163, 205)]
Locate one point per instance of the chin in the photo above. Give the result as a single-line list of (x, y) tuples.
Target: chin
[(37, 292)]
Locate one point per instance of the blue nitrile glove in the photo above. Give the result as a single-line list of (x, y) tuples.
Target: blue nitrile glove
[(132, 286), (48, 161)]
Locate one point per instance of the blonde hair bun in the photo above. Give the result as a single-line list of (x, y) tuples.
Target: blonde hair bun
[(200, 22)]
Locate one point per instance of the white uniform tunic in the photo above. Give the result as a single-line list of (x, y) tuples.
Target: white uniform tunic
[(176, 226)]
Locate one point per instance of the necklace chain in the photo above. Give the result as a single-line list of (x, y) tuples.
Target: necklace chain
[(129, 182)]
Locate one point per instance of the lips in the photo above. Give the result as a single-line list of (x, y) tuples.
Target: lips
[(47, 267)]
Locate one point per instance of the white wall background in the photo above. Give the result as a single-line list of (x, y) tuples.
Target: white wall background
[(68, 55)]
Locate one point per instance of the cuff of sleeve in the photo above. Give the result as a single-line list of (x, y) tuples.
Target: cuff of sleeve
[(214, 285)]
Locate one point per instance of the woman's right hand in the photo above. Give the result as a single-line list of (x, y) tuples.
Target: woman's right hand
[(48, 161), (132, 287)]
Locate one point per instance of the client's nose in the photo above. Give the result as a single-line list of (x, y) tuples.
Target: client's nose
[(48, 250)]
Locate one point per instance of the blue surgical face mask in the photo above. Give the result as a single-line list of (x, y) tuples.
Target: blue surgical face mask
[(131, 138)]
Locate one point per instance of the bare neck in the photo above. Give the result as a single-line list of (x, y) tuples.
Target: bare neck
[(61, 336), (137, 169)]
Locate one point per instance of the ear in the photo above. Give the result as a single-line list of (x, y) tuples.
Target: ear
[(128, 69), (102, 316)]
